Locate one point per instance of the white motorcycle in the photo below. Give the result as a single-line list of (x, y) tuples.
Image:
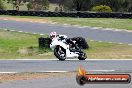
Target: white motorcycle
[(65, 48)]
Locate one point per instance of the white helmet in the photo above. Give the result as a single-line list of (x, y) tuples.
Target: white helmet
[(53, 34)]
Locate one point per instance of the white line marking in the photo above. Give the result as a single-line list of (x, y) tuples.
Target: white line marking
[(117, 30), (99, 27), (95, 28), (42, 22), (8, 72), (128, 31), (120, 43), (36, 21), (17, 20), (53, 23), (91, 40), (35, 72), (53, 71), (101, 70), (80, 27), (31, 21), (5, 29), (110, 42), (75, 25), (20, 31), (100, 41), (107, 29), (34, 33), (130, 44), (41, 34), (86, 26), (66, 24), (26, 32), (60, 61), (5, 19), (12, 30)]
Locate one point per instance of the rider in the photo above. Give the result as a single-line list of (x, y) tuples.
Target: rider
[(54, 35)]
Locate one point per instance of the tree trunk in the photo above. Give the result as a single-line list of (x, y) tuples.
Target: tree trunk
[(17, 5)]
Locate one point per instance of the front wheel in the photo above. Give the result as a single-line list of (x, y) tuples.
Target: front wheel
[(82, 56), (60, 53)]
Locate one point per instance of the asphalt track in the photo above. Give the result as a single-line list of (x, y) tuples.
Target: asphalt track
[(68, 65), (97, 34), (91, 66)]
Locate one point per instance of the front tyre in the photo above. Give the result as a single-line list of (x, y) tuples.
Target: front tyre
[(82, 56), (60, 53)]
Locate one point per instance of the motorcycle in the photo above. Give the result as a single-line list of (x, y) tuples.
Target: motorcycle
[(66, 48)]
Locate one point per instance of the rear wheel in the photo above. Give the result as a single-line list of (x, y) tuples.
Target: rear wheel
[(82, 56), (60, 53)]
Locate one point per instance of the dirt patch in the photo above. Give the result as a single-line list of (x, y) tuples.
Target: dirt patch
[(28, 76), (26, 19), (23, 51)]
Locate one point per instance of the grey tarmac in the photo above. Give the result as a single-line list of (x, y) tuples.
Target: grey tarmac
[(91, 66), (68, 65), (70, 31)]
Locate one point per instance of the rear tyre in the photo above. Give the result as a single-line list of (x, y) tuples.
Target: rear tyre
[(60, 53), (82, 56)]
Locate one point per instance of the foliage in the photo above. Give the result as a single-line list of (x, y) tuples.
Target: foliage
[(73, 5), (45, 4), (32, 4), (1, 5), (38, 5), (116, 5), (29, 6), (101, 8), (78, 5)]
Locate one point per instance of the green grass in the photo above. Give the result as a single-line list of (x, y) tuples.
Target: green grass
[(20, 45), (93, 22), (14, 45), (96, 22), (103, 50)]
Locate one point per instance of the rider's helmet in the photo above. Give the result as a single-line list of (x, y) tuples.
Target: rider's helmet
[(53, 34)]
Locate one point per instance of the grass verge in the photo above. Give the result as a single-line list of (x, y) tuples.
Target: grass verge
[(14, 45), (103, 50), (93, 22), (96, 22)]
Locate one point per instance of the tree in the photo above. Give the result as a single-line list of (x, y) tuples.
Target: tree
[(38, 4), (116, 5), (78, 5), (128, 5), (1, 5), (81, 4), (16, 3), (29, 6), (45, 4)]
